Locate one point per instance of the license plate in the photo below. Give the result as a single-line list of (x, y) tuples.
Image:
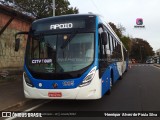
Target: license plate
[(54, 94)]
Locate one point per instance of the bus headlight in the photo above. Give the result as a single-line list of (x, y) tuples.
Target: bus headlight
[(28, 81), (87, 80)]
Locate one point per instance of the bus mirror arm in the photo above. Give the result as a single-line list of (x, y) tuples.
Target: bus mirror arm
[(17, 40)]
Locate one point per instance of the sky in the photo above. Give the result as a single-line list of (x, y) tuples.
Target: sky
[(125, 12)]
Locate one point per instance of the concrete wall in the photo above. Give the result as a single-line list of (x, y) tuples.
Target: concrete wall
[(8, 57)]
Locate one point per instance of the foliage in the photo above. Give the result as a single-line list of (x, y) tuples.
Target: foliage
[(41, 8), (138, 48), (141, 49), (119, 31), (116, 30), (127, 42), (62, 8)]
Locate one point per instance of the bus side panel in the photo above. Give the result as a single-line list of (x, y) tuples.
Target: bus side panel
[(116, 68), (116, 74), (120, 68), (106, 81), (124, 66)]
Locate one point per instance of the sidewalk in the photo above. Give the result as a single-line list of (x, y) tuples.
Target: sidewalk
[(11, 89), (11, 94), (4, 72)]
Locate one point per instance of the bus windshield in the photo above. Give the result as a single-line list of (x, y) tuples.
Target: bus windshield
[(60, 53)]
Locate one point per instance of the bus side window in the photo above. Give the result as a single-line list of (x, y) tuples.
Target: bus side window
[(116, 46), (119, 56), (114, 54), (100, 30), (108, 42), (116, 50), (108, 48), (125, 54), (111, 44), (102, 54)]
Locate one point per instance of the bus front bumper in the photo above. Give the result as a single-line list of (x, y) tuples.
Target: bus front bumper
[(91, 91)]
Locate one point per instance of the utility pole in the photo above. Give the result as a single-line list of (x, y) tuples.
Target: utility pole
[(53, 7), (141, 52), (140, 49)]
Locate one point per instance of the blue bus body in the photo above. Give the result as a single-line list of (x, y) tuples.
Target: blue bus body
[(93, 82)]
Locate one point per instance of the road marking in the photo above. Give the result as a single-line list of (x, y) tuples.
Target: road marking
[(30, 109), (156, 66), (145, 66), (141, 65)]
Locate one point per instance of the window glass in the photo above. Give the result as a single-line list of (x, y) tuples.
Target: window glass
[(53, 53), (111, 44)]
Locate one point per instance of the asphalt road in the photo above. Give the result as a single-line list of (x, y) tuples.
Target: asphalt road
[(139, 90), (11, 92)]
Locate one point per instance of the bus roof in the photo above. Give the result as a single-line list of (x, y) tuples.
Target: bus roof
[(69, 16), (78, 16)]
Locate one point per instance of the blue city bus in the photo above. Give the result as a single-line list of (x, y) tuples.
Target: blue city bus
[(71, 57)]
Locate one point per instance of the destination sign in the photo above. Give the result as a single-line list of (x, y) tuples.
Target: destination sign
[(59, 25)]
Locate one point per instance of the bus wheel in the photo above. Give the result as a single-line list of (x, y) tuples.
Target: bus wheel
[(111, 84), (121, 77)]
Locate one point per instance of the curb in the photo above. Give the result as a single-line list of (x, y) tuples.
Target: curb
[(10, 72), (17, 105), (10, 79), (156, 65)]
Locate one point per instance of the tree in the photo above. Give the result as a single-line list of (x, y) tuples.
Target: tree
[(116, 30), (126, 40), (41, 8), (138, 48), (62, 8), (141, 50)]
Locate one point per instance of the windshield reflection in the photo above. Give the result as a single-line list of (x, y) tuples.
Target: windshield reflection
[(47, 55)]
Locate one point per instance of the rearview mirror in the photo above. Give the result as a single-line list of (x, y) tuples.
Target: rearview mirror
[(17, 40), (17, 44), (104, 38)]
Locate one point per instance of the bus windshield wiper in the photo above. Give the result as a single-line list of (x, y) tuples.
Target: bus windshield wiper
[(68, 39)]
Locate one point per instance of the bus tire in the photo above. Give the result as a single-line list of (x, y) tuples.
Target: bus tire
[(121, 77)]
